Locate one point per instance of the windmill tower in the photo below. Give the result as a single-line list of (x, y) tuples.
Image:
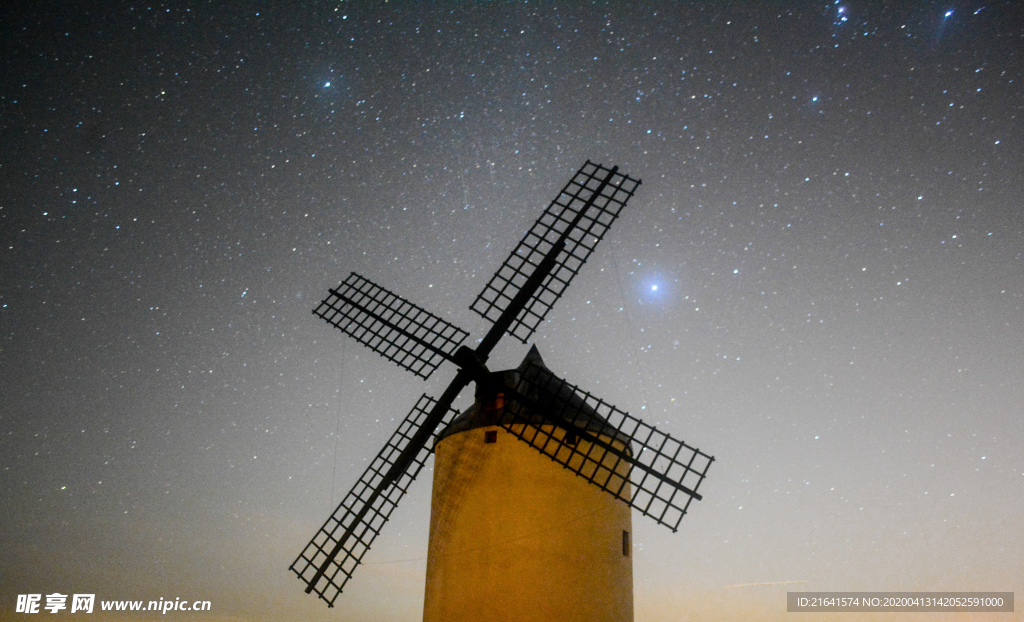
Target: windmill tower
[(507, 521), (533, 484)]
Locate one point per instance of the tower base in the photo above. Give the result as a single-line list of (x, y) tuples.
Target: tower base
[(518, 538)]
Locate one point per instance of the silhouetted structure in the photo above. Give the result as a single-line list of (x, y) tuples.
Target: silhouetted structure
[(489, 491)]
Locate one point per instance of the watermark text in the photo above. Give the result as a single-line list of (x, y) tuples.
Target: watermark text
[(85, 603)]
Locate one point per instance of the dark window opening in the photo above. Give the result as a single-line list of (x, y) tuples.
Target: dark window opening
[(490, 436), (625, 543), (570, 439)]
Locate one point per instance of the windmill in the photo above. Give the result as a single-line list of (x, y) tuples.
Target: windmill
[(625, 462)]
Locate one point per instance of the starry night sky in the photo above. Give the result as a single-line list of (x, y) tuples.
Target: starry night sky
[(820, 281)]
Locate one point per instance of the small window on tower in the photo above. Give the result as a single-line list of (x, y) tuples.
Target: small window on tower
[(490, 436), (625, 543), (570, 439)]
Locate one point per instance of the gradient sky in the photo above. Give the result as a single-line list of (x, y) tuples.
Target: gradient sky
[(820, 282)]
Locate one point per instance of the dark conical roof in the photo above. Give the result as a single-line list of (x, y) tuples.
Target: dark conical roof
[(533, 356), (525, 376)]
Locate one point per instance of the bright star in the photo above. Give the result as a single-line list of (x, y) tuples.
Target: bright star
[(326, 84), (948, 13), (654, 288)]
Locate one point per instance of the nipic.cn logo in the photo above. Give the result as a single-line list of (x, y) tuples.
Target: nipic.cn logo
[(84, 603)]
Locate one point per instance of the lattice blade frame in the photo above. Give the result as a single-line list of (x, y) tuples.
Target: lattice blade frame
[(579, 244), (352, 551), (620, 454), (390, 325)]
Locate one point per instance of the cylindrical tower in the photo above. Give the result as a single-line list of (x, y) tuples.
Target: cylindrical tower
[(516, 536)]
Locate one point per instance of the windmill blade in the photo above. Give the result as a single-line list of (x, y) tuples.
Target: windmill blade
[(631, 460), (579, 217), (330, 558), (390, 325)]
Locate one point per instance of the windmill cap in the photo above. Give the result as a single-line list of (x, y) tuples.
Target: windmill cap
[(488, 409)]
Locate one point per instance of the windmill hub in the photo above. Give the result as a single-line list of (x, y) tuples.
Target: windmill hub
[(471, 362)]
